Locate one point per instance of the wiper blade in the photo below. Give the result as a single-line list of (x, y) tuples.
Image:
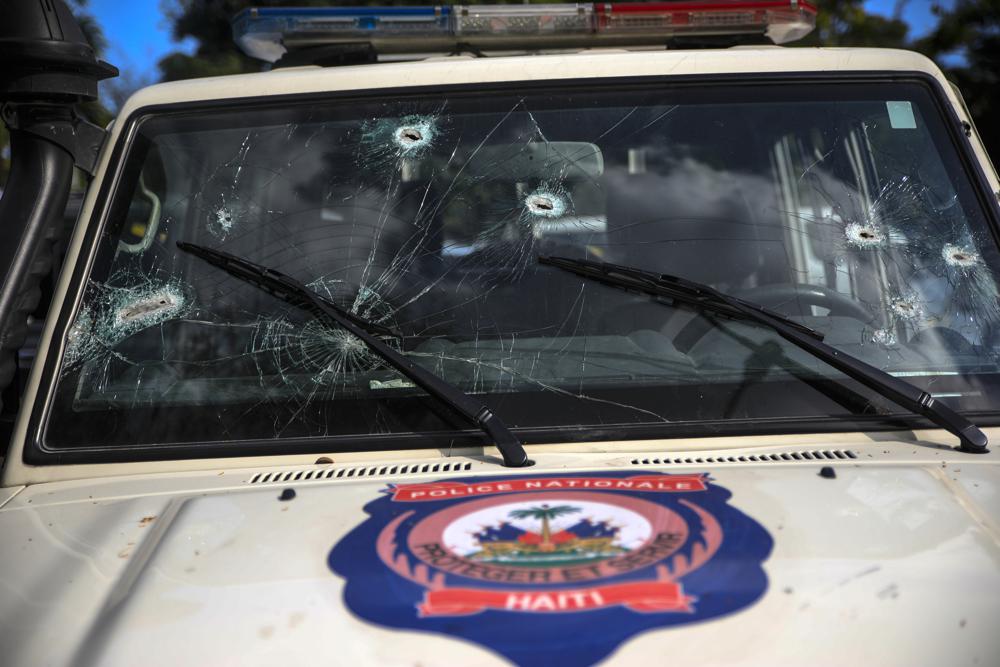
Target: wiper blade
[(281, 286), (678, 289), (705, 297), (296, 293)]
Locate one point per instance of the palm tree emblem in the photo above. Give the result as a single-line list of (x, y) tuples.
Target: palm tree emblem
[(544, 513)]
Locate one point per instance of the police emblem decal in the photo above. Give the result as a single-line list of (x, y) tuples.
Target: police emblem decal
[(527, 565)]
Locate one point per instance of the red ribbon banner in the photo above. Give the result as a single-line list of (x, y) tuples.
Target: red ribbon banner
[(410, 493), (643, 596)]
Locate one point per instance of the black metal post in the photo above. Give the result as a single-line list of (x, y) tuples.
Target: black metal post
[(48, 67)]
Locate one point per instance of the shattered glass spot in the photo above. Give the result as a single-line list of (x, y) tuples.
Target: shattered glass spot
[(81, 343), (871, 236), (133, 310), (223, 222), (118, 313), (864, 236), (974, 296), (906, 308), (385, 142), (323, 352), (545, 204), (414, 137), (959, 257), (885, 337)]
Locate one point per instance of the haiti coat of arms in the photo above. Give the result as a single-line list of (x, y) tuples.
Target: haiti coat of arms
[(558, 568)]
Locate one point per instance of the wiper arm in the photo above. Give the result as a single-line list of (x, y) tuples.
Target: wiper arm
[(281, 286), (707, 298), (292, 291), (678, 289)]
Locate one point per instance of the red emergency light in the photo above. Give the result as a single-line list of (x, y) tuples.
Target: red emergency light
[(781, 20)]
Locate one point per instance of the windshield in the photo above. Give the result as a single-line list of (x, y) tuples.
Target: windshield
[(842, 206)]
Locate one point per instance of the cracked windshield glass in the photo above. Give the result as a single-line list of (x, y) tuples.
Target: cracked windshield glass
[(844, 206)]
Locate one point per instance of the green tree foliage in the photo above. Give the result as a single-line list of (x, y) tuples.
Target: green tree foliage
[(846, 23), (544, 514), (965, 43), (970, 31), (208, 23)]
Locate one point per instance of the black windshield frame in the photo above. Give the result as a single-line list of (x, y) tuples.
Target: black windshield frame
[(36, 450)]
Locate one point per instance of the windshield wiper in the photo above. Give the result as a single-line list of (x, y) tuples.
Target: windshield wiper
[(281, 286), (678, 289), (709, 299), (292, 291)]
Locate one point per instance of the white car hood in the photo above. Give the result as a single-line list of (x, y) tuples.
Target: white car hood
[(890, 562)]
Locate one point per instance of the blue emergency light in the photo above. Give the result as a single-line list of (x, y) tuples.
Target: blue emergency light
[(268, 33)]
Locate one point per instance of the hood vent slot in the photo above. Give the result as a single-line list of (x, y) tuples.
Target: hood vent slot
[(780, 457), (315, 474)]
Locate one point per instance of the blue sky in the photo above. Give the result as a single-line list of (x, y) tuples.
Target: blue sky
[(139, 34), (917, 13)]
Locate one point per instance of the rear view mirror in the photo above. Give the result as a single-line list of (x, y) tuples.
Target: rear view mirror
[(538, 161)]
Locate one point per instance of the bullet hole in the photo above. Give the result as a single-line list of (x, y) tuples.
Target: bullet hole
[(827, 472), (545, 204), (224, 217), (221, 224), (905, 309), (884, 337), (116, 313), (287, 494), (974, 297), (146, 308), (135, 309), (960, 257), (863, 236), (408, 134), (393, 148), (335, 351), (415, 134)]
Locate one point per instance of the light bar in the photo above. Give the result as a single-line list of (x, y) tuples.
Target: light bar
[(263, 32), (523, 19), (268, 33), (782, 21)]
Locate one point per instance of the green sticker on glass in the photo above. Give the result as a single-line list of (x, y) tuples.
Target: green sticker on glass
[(901, 115)]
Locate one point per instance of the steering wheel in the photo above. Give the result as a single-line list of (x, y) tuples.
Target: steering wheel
[(778, 297)]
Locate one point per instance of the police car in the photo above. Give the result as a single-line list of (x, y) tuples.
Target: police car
[(510, 336)]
